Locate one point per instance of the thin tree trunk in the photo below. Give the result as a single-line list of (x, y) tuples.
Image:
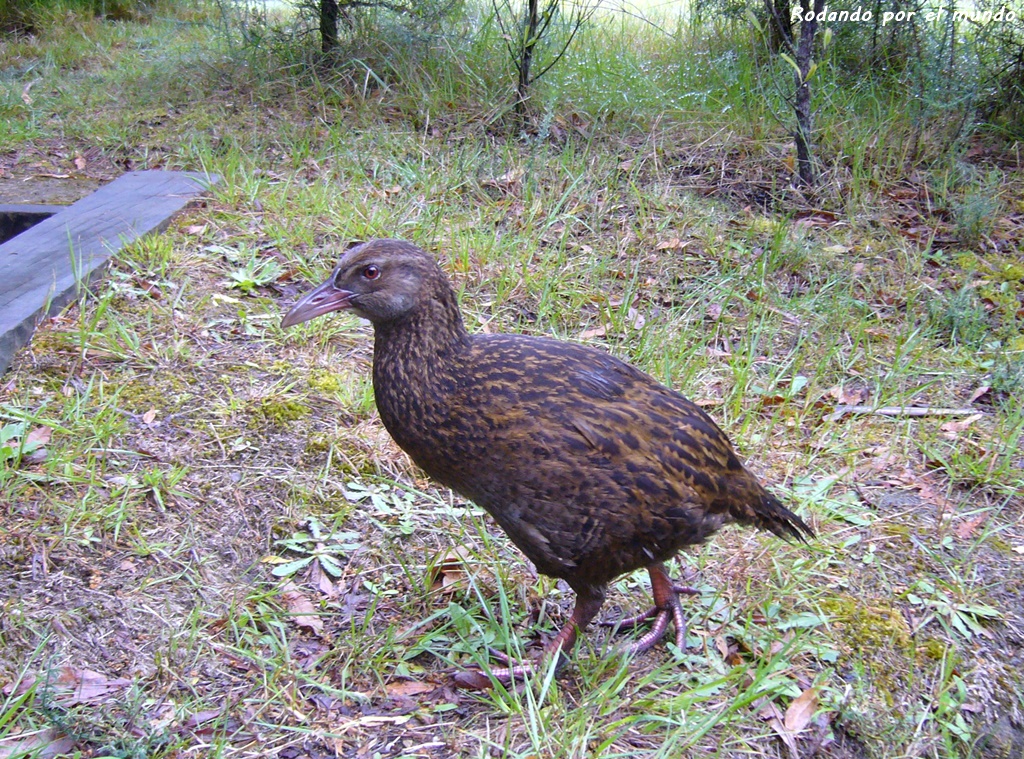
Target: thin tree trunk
[(328, 25), (530, 40), (802, 102)]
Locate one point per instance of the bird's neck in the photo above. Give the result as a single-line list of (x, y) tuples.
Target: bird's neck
[(416, 354)]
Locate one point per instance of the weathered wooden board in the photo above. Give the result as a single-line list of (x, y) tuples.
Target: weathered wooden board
[(46, 267)]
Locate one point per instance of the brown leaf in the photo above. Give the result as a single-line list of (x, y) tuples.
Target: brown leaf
[(80, 163), (787, 737), (301, 608), (76, 686), (852, 397), (800, 712), (506, 181), (982, 390), (590, 334), (39, 435), (149, 416), (965, 529), (197, 719), (406, 688), (42, 744), (449, 574), (952, 429)]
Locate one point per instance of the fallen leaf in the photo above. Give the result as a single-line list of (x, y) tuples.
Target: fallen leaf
[(787, 737), (38, 436), (713, 312), (965, 529), (149, 416), (852, 397), (590, 334), (635, 319), (73, 686), (43, 744), (978, 393), (506, 181), (952, 429), (801, 710), (406, 688), (197, 719), (449, 574), (301, 608), (80, 163)]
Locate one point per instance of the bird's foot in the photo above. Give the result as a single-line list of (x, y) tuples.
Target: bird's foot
[(667, 607)]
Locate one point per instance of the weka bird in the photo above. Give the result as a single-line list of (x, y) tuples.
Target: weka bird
[(592, 467)]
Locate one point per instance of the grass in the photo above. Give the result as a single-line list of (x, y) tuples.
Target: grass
[(192, 444)]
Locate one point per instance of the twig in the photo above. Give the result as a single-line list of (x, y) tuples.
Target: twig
[(841, 411)]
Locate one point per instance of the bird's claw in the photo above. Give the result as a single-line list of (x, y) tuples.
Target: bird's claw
[(672, 610)]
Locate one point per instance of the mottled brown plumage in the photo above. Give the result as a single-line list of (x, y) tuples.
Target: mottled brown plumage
[(591, 467)]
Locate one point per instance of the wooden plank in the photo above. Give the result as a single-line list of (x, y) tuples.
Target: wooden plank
[(46, 267)]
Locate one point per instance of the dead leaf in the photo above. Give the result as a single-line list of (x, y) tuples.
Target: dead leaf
[(983, 390), (713, 312), (449, 574), (852, 397), (965, 529), (301, 608), (673, 243), (195, 229), (43, 744), (149, 416), (406, 688), (787, 737), (25, 97), (73, 686), (80, 163), (952, 429), (626, 165), (38, 436), (590, 334), (506, 181), (801, 710), (197, 719), (635, 319)]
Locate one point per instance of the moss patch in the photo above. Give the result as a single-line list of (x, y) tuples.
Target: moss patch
[(277, 412)]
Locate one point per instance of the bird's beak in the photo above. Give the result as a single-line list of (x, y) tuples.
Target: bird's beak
[(322, 300)]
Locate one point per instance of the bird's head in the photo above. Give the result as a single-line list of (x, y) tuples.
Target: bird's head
[(379, 280)]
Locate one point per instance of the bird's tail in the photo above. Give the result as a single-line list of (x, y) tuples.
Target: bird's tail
[(767, 512)]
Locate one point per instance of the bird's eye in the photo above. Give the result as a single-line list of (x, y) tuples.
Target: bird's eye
[(371, 272)]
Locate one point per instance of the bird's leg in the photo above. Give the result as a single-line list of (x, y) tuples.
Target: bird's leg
[(587, 606), (666, 604)]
